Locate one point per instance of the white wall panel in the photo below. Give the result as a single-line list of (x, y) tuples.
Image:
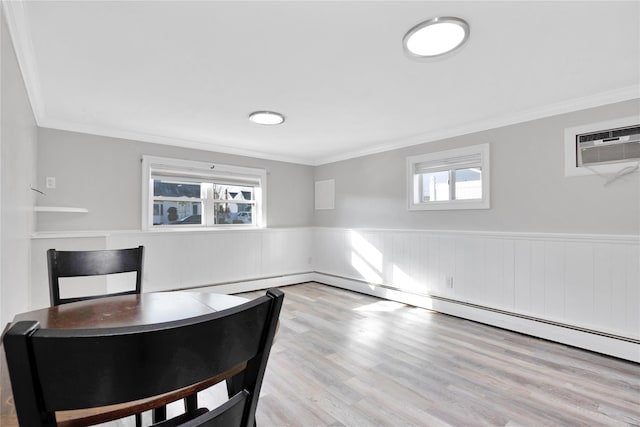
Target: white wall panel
[(522, 276), (633, 290), (603, 278), (469, 274), (579, 303), (554, 296), (185, 259), (288, 251), (431, 266), (446, 262), (508, 274), (583, 281), (538, 273), (619, 285), (494, 260)]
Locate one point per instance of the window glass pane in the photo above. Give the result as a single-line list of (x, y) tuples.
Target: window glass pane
[(468, 184), (176, 213), (233, 213), (232, 192), (175, 189), (435, 186), (191, 193)]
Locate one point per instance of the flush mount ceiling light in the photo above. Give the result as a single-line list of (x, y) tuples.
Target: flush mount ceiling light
[(266, 118), (436, 37)]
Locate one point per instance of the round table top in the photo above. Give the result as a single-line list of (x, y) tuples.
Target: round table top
[(130, 310)]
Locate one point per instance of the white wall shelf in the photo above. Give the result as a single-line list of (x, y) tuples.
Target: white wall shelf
[(64, 209)]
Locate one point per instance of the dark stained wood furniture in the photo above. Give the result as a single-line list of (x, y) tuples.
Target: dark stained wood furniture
[(64, 264), (92, 263), (142, 310)]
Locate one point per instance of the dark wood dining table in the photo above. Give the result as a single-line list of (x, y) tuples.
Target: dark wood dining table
[(126, 310)]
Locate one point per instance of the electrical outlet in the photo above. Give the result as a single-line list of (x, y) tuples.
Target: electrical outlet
[(51, 182), (450, 282)]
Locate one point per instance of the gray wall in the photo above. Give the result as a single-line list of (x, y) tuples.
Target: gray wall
[(103, 174), (18, 165), (529, 191)]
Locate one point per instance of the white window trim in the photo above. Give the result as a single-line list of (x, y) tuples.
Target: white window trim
[(151, 163), (570, 163), (484, 203)]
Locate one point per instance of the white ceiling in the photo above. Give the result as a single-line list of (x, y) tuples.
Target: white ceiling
[(189, 73)]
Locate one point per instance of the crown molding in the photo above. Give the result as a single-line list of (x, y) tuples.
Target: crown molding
[(577, 104), (597, 100), (23, 47), (164, 140)]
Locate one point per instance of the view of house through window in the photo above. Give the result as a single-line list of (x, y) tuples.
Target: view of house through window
[(181, 203), (181, 197)]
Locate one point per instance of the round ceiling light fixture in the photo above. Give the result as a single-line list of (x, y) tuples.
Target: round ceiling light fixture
[(436, 37), (266, 118)]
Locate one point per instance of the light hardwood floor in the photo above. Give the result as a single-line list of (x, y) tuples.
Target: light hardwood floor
[(347, 359)]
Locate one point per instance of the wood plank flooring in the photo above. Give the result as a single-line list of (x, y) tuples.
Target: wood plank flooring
[(347, 359)]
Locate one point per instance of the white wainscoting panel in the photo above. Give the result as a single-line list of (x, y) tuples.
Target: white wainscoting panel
[(579, 289), (578, 282), (234, 260)]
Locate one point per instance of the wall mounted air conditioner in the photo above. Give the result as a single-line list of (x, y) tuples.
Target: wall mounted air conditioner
[(603, 148), (608, 146)]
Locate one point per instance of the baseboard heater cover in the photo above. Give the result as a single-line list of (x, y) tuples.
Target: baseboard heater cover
[(404, 296), (256, 283)]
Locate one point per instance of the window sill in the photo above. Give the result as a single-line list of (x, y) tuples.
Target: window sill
[(61, 209), (198, 229), (441, 206)]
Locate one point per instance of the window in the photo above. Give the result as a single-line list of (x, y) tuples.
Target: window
[(182, 194), (452, 179)]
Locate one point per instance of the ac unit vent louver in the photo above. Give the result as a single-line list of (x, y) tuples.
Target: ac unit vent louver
[(608, 146)]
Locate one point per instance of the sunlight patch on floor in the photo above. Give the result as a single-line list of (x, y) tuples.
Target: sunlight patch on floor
[(381, 306)]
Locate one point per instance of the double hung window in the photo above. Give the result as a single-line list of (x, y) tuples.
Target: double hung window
[(182, 193), (452, 179)]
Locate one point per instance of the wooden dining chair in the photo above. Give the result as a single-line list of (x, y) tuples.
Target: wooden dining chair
[(92, 263), (64, 369), (101, 263)]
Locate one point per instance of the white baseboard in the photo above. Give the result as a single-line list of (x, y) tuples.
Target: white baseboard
[(621, 348), (254, 284)]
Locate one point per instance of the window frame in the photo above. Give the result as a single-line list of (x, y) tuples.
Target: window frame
[(198, 171), (442, 156)]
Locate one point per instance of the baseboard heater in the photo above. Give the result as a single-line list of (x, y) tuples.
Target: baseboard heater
[(482, 307), (283, 277)]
